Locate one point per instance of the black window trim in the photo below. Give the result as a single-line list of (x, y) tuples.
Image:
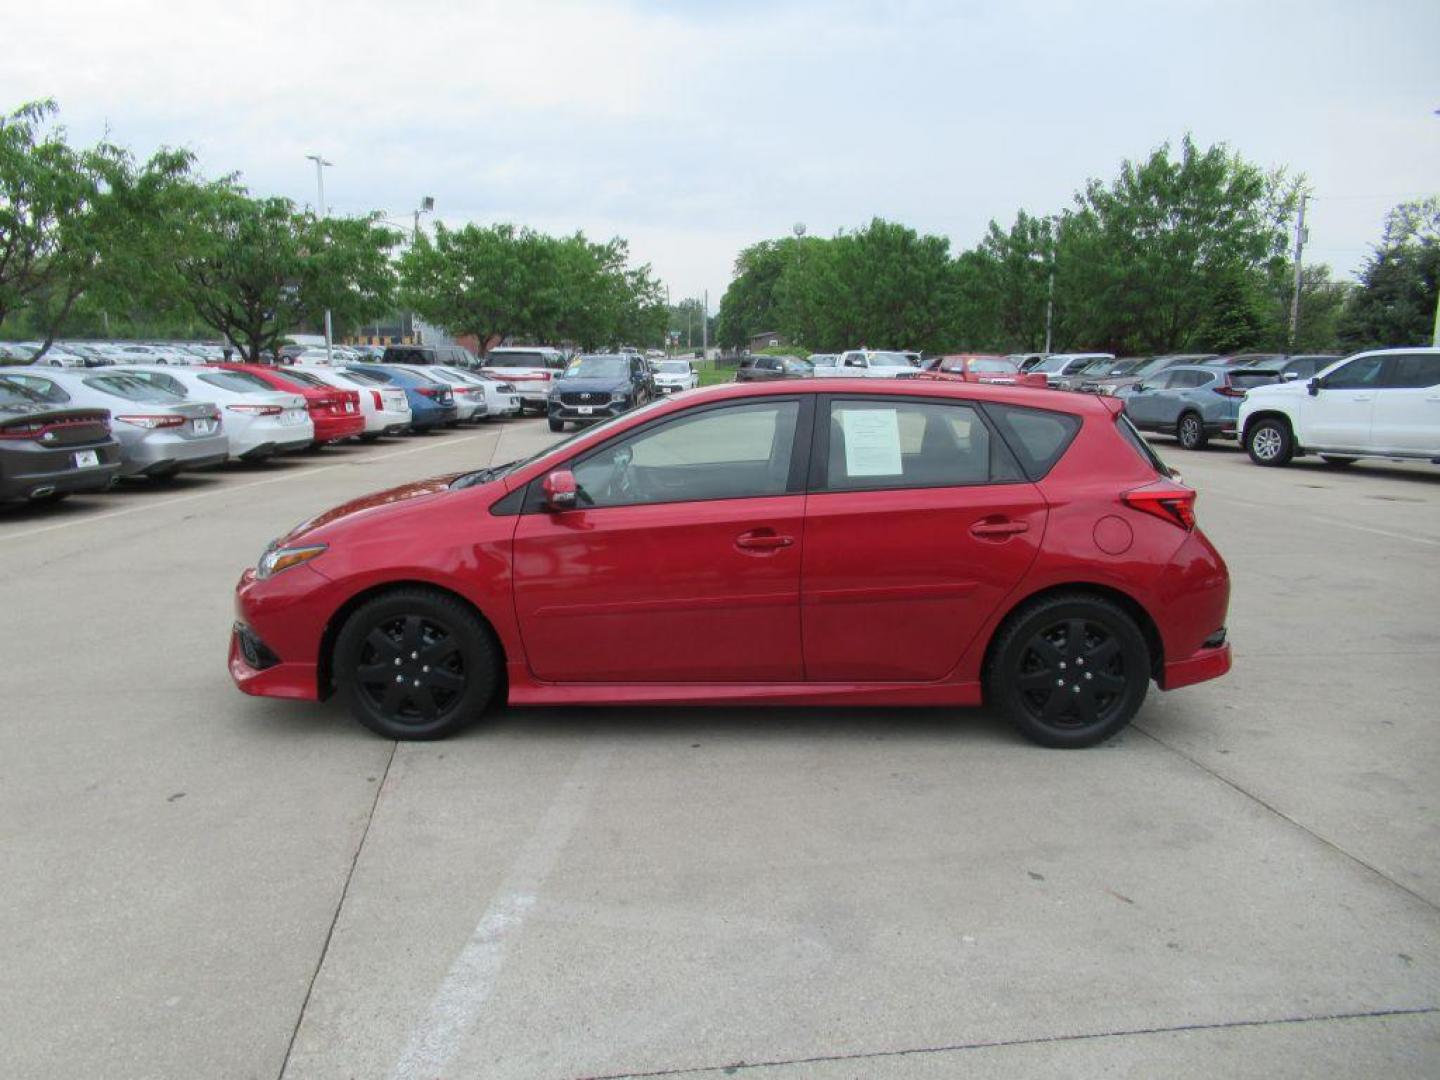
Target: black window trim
[(532, 502), (818, 480)]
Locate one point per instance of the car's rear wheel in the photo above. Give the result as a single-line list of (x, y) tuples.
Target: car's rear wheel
[(557, 425), (1337, 462), (415, 664), (1069, 671), (1190, 430), (1270, 442)]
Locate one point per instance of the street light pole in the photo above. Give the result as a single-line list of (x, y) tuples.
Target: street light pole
[(320, 166), (427, 206), (1300, 237), (1050, 306)]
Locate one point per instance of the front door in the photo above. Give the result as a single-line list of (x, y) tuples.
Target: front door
[(681, 562), (920, 524), (1339, 415)]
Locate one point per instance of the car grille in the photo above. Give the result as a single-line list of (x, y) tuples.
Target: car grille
[(585, 397)]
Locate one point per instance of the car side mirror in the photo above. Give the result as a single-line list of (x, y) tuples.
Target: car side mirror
[(560, 491), (1289, 376), (1314, 386)]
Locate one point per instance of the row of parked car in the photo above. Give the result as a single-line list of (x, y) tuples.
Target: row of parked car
[(1381, 403), (67, 430)]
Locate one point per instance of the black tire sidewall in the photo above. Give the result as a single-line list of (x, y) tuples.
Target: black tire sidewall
[(1002, 689), (1287, 443), (480, 656)]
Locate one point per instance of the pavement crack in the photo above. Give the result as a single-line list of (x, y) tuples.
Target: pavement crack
[(339, 906), (1331, 844), (992, 1044)]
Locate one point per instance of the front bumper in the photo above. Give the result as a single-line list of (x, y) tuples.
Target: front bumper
[(585, 413), (279, 622)]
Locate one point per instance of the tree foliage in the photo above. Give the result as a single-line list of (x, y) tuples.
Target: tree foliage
[(1395, 303)]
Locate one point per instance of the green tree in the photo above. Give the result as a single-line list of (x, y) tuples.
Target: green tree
[(1395, 303), (1142, 260), (748, 306), (253, 269)]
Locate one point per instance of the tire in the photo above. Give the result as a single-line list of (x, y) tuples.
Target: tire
[(1190, 430), (1036, 678), (1270, 442), (453, 689), (557, 425), (50, 499), (1337, 462), (369, 436)]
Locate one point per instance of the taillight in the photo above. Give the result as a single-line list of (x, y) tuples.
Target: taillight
[(1174, 504), (379, 402), (256, 410), (428, 391), (1226, 390), (23, 431), (152, 422)]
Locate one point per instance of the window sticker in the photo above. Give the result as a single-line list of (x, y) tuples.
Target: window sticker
[(872, 442)]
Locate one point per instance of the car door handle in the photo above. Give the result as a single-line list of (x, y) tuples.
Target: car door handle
[(998, 528), (1362, 397), (762, 541)]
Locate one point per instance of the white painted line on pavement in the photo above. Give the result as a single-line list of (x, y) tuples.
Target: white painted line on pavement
[(1337, 522), (473, 975), (226, 488)]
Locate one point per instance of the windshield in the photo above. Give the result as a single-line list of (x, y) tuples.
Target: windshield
[(1149, 367), (1051, 363), (673, 367), (1008, 367), (597, 367)]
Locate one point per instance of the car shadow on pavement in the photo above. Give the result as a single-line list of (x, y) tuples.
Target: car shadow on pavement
[(765, 723)]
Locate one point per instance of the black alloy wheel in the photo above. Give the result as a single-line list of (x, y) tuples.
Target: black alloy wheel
[(1191, 432), (415, 664), (1070, 671)]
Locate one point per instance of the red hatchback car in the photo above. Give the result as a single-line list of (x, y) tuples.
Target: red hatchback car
[(335, 412), (801, 543)]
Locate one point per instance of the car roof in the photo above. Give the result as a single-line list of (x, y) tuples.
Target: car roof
[(999, 393)]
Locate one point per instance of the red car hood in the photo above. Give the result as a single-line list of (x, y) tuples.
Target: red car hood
[(368, 504)]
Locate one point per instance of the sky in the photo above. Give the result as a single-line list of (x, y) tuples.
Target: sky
[(695, 128)]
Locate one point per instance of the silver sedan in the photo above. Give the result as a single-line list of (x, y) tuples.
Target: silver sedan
[(159, 433)]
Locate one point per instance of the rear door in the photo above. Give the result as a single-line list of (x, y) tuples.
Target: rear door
[(1339, 415), (918, 524), (1407, 405), (681, 562)]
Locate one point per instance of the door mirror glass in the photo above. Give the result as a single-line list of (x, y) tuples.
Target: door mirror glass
[(1314, 386), (559, 489)]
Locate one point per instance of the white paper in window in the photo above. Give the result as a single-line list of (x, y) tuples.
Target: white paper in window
[(872, 442)]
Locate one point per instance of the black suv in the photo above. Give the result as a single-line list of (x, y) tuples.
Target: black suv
[(599, 386), (766, 368), (447, 355)]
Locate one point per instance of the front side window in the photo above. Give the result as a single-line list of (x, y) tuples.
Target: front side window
[(904, 444), (736, 452), (1358, 374)]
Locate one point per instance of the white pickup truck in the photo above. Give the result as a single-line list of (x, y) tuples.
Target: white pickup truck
[(1384, 403), (871, 364), (529, 369)]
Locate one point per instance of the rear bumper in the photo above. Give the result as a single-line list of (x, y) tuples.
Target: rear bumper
[(334, 428), (1199, 666), (21, 480)]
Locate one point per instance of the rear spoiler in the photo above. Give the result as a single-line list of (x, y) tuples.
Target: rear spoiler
[(1115, 405)]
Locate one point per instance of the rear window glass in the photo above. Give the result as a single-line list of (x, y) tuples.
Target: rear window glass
[(1037, 436), (408, 356), (242, 382), (521, 358), (131, 389), (304, 378), (364, 378)]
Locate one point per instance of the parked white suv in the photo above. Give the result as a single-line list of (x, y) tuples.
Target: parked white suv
[(1384, 403), (528, 369), (872, 364)]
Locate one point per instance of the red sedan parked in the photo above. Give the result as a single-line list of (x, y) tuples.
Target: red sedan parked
[(977, 367), (826, 542), (335, 412)]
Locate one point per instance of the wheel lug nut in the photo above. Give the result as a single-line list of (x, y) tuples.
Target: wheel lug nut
[(1076, 688), (397, 661), (1088, 675), (1062, 665), (1080, 662), (399, 678), (1059, 682), (414, 656), (426, 670), (417, 682)]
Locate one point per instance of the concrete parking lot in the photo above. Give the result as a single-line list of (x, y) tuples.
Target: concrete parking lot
[(198, 884)]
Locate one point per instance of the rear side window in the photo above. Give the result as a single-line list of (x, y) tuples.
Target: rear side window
[(1038, 437), (1143, 448), (911, 444), (1414, 371)]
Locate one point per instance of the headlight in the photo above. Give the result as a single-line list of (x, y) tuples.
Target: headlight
[(619, 395), (276, 559)]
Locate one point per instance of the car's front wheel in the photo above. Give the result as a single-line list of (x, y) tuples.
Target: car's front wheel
[(557, 425), (1270, 442), (1191, 432), (415, 664), (1069, 671)]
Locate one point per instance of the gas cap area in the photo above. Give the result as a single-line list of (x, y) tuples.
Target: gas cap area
[(1113, 535)]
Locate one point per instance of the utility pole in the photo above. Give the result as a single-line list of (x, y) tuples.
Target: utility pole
[(1300, 237), (320, 165), (705, 328), (1050, 305)]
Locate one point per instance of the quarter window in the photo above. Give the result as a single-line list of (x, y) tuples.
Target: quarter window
[(1037, 436), (911, 444), (737, 452)]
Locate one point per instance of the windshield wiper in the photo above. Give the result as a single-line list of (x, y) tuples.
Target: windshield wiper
[(481, 476)]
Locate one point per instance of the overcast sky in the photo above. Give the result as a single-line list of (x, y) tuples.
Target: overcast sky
[(695, 128)]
